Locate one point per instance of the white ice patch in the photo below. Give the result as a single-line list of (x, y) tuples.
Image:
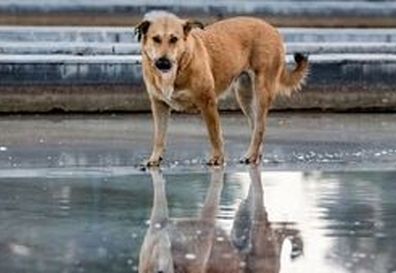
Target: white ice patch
[(190, 256), (20, 249)]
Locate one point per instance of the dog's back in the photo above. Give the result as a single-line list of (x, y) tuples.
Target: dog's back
[(240, 44), (243, 32), (245, 43)]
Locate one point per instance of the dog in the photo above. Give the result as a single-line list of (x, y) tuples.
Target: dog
[(187, 66), (199, 245)]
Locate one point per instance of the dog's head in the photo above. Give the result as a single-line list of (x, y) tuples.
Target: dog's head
[(164, 36)]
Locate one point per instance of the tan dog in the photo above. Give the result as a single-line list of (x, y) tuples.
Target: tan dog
[(187, 69)]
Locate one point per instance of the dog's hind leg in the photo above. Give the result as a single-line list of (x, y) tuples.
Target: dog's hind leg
[(263, 94), (244, 94), (251, 213)]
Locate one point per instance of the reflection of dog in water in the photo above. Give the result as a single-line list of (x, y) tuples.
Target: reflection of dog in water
[(197, 245)]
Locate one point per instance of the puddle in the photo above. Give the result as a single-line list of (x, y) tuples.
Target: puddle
[(245, 220)]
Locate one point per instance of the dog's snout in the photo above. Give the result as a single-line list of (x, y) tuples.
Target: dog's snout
[(163, 64)]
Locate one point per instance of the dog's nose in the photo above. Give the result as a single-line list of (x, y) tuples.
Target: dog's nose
[(163, 64)]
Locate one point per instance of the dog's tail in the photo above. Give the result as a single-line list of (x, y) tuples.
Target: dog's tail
[(293, 80)]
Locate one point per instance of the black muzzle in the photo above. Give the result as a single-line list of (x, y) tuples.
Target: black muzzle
[(163, 64)]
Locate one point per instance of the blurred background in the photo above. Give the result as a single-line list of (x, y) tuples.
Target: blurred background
[(81, 55), (352, 13)]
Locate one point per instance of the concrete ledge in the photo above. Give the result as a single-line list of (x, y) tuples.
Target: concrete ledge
[(69, 69), (114, 83), (121, 41), (67, 34), (73, 98), (18, 70), (125, 34), (339, 34), (69, 48), (84, 49), (342, 48), (223, 7), (307, 13)]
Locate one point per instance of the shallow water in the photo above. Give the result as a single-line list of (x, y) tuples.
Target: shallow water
[(76, 221)]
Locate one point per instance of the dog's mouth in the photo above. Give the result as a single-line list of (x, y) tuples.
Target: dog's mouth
[(164, 70)]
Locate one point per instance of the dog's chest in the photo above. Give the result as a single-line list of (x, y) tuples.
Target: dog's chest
[(179, 100)]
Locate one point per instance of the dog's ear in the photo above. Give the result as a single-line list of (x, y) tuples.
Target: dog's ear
[(190, 24), (141, 29)]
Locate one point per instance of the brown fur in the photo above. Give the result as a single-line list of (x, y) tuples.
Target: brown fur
[(242, 53)]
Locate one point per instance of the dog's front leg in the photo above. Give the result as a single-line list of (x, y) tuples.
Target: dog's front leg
[(161, 113), (212, 119)]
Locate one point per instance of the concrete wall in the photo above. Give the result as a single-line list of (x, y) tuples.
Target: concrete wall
[(34, 84), (98, 69), (125, 34)]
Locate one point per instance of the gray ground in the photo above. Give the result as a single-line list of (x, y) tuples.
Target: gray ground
[(293, 141), (73, 200)]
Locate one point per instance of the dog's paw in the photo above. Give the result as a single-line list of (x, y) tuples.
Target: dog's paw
[(216, 161), (150, 163), (250, 160)]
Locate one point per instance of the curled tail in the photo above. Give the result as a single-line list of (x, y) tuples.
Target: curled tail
[(292, 80)]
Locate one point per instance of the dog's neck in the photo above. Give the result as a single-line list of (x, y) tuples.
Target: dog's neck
[(186, 56), (185, 63)]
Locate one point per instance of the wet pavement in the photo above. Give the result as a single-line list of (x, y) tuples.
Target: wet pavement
[(73, 200), (109, 144)]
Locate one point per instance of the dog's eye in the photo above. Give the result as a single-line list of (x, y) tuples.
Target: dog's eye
[(173, 40), (157, 39)]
